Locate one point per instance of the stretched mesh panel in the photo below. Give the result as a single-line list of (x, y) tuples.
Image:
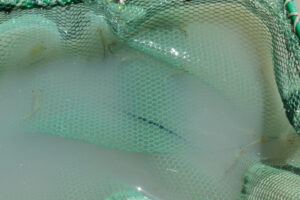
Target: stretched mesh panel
[(148, 100)]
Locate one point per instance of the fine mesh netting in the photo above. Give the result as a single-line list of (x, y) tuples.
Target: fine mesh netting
[(148, 100)]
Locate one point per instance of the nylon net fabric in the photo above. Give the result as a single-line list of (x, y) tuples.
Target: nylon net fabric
[(148, 100)]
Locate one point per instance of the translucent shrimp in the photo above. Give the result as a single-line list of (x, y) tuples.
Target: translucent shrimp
[(103, 41), (126, 58), (37, 49), (288, 139), (263, 139), (110, 49), (36, 104), (171, 74), (181, 28), (33, 53)]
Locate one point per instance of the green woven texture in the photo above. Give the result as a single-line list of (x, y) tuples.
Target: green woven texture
[(148, 100), (266, 182), (10, 4)]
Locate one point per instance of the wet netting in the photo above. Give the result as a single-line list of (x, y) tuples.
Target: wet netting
[(149, 100)]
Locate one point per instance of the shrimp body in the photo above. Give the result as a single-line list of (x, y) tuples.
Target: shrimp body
[(182, 29), (263, 139), (37, 49), (103, 41), (36, 104)]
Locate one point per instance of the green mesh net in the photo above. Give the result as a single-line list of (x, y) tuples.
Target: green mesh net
[(149, 100)]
